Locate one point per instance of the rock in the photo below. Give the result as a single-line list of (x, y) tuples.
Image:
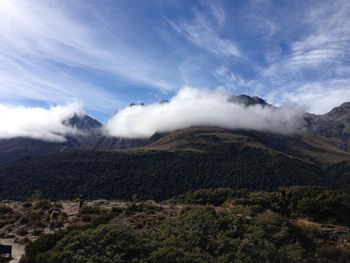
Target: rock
[(247, 100)]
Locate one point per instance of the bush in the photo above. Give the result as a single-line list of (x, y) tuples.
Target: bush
[(4, 209), (42, 204), (37, 232), (34, 250), (116, 210), (86, 218), (22, 232), (27, 205), (247, 228), (328, 254)]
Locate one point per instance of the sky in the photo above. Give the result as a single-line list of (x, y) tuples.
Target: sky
[(105, 54)]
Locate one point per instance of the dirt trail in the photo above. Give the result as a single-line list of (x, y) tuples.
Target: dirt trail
[(70, 208)]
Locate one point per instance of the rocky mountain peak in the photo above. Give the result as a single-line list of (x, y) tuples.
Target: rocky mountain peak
[(136, 104), (247, 100), (82, 122), (339, 112)]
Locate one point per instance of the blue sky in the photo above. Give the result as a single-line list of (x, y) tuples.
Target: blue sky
[(107, 54)]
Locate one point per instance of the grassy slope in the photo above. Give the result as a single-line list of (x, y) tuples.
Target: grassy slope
[(306, 147)]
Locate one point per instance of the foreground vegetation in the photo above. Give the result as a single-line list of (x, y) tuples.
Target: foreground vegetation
[(297, 224)]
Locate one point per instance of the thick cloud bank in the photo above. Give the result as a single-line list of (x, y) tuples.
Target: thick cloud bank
[(37, 123), (198, 107)]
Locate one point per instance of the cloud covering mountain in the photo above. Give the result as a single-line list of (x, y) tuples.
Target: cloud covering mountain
[(200, 107), (38, 123)]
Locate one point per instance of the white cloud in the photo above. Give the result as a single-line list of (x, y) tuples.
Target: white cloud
[(37, 123), (44, 43), (201, 33), (218, 12), (198, 107), (321, 50), (318, 98)]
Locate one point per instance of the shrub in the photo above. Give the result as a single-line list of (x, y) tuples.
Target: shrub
[(42, 204), (27, 205), (4, 209), (116, 210), (37, 231)]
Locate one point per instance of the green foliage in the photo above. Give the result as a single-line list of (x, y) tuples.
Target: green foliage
[(34, 250), (207, 196), (329, 254), (93, 210), (247, 227), (153, 175), (105, 244), (321, 203)]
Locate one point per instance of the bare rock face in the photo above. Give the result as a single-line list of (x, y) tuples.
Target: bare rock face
[(136, 104), (163, 102), (247, 100), (83, 122), (335, 123), (341, 115)]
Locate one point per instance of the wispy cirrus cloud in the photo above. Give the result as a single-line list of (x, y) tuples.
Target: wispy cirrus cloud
[(110, 53), (200, 32), (324, 47), (51, 32), (311, 67), (218, 12), (45, 45), (316, 97)]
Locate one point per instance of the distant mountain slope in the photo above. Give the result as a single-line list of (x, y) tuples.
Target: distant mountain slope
[(18, 148), (175, 162), (332, 132), (305, 146), (334, 125), (178, 162), (154, 174), (90, 138)]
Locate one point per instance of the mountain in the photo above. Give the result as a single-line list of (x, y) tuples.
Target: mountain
[(182, 161), (334, 125), (91, 137), (247, 100), (172, 163), (84, 122), (341, 115), (18, 148)]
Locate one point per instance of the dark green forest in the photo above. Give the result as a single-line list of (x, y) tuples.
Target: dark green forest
[(155, 175)]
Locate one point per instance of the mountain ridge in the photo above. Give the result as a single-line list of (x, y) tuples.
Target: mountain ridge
[(334, 126), (175, 162)]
